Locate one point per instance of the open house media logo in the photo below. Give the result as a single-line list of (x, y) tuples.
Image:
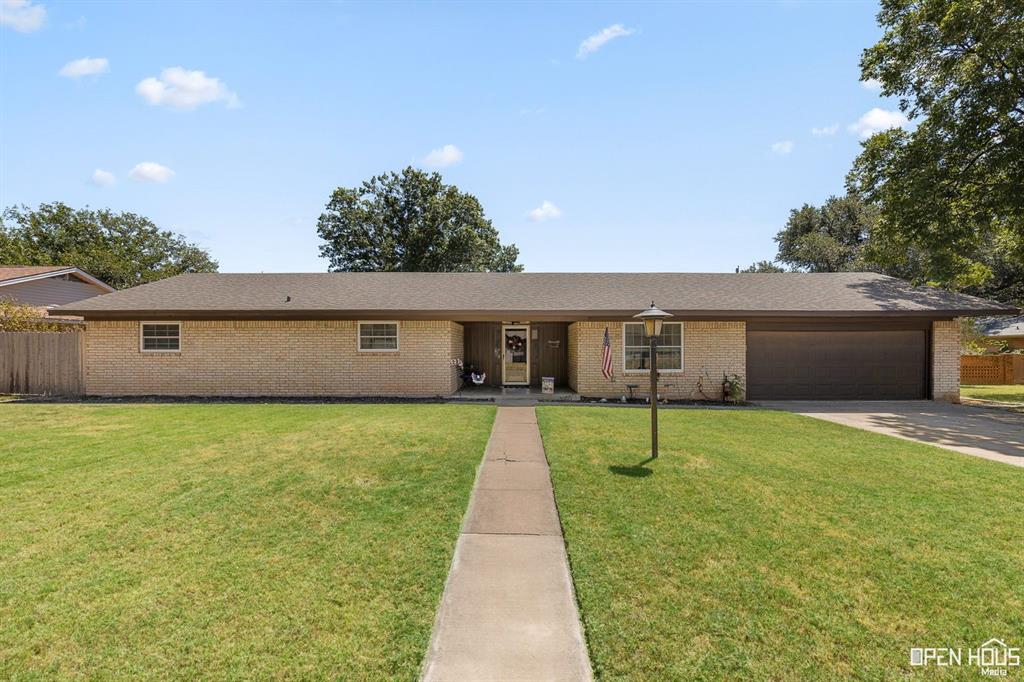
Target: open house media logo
[(995, 658)]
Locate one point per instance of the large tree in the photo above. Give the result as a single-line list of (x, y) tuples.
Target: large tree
[(951, 189), (843, 235), (122, 249), (413, 222), (829, 238)]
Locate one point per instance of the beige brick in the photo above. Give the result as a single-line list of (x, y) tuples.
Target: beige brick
[(946, 360), (710, 349), (272, 358)]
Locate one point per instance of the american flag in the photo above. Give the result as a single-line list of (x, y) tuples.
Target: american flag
[(606, 367)]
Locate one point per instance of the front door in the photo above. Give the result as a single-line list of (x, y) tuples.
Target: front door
[(515, 365)]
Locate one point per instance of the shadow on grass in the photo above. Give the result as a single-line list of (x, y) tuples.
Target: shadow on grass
[(634, 471)]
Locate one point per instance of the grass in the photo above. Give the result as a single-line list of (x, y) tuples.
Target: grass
[(228, 541), (1005, 394), (770, 546)]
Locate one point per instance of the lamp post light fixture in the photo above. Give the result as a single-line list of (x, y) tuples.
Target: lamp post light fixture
[(653, 319)]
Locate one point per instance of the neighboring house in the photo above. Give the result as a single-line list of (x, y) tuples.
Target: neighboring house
[(1002, 330), (787, 336), (47, 286)]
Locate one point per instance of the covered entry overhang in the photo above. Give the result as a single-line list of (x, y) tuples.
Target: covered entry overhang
[(517, 353)]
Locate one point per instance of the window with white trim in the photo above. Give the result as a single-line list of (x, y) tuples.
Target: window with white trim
[(378, 336), (636, 349), (160, 337)]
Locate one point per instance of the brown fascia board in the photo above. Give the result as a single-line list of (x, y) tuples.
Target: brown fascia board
[(500, 315)]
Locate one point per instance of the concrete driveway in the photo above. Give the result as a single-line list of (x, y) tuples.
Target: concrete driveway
[(990, 433)]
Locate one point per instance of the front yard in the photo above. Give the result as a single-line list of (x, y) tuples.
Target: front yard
[(228, 541), (765, 545), (312, 541)]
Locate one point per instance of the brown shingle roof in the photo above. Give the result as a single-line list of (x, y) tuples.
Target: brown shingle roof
[(17, 271), (518, 295)]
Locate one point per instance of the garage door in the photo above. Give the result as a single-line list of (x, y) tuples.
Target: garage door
[(836, 365)]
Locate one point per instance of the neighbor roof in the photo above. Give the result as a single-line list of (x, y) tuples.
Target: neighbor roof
[(9, 272), (1002, 326), (526, 296), (17, 274)]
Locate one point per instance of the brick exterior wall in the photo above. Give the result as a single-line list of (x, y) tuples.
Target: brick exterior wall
[(709, 350), (272, 358), (946, 360)]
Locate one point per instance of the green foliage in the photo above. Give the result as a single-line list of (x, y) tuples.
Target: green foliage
[(737, 391), (410, 222), (829, 238), (763, 266), (122, 249), (844, 235), (952, 188), (18, 317), (972, 342)]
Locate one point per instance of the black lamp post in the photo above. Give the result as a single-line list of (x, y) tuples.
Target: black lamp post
[(653, 318)]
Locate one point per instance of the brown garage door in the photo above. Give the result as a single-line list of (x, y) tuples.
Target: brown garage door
[(836, 365)]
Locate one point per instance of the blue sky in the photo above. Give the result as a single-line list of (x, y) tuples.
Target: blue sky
[(676, 139)]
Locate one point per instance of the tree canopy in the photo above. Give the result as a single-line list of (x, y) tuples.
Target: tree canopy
[(413, 222), (951, 189), (763, 266), (841, 235), (829, 238), (122, 249)]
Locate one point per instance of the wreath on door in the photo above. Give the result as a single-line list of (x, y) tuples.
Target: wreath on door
[(515, 343)]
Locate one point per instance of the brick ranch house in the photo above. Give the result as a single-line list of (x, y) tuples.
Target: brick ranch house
[(787, 336)]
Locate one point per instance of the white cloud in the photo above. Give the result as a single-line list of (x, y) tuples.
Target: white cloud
[(783, 147), (22, 15), (447, 155), (598, 40), (871, 84), (877, 120), (86, 66), (148, 171), (546, 211), (102, 178), (182, 89), (825, 131)]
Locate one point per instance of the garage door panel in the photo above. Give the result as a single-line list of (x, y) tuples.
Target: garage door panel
[(836, 365)]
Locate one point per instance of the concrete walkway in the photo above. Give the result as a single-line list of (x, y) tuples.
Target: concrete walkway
[(982, 432), (508, 610)]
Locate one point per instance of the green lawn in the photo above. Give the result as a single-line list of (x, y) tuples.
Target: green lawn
[(765, 545), (1005, 394), (228, 541)]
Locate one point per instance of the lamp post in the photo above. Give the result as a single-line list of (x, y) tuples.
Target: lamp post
[(653, 318)]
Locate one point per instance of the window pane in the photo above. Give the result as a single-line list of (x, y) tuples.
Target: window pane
[(635, 334), (671, 334), (378, 336), (638, 358), (161, 337), (670, 358), (379, 343)]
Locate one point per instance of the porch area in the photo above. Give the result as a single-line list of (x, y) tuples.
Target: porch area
[(517, 356), (515, 394)]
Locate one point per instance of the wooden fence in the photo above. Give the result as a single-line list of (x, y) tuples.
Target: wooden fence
[(992, 369), (41, 362)]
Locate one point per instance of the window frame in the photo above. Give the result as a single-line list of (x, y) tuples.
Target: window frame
[(359, 337), (682, 353), (142, 343)]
